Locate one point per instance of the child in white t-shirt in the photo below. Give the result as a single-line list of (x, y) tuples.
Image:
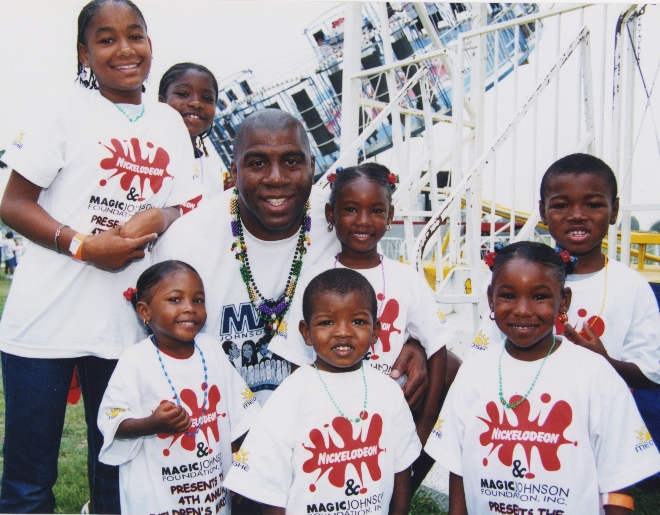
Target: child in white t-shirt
[(539, 425), (337, 435), (361, 211), (192, 90), (174, 405), (613, 312)]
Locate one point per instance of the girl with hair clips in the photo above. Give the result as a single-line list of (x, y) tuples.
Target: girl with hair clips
[(192, 90), (95, 179), (173, 399), (538, 424), (360, 211)]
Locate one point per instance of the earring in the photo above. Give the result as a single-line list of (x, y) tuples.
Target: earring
[(563, 318), (389, 227), (492, 314), (144, 321), (330, 227)]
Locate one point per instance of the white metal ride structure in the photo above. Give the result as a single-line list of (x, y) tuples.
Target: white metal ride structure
[(494, 153)]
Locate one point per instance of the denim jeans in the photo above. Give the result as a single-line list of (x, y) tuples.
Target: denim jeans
[(35, 404)]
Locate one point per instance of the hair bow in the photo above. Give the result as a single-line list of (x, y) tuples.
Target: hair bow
[(128, 294)]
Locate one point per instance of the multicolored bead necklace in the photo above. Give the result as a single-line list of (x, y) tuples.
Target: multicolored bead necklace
[(381, 296), (129, 118), (363, 413), (271, 311), (499, 371), (205, 384)]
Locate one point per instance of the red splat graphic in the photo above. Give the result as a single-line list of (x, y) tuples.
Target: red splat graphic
[(596, 323), (135, 165), (189, 398), (191, 204), (387, 318), (559, 418), (337, 469)]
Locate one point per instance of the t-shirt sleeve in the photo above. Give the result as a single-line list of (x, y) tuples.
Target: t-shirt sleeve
[(642, 343), (424, 322), (121, 401), (262, 468), (241, 403), (408, 447), (38, 149), (445, 443), (625, 453), (289, 344)]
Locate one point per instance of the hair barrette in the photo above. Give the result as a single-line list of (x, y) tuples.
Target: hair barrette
[(565, 255), (392, 178), (332, 177), (489, 258), (128, 294)]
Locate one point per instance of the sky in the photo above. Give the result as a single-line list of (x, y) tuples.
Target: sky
[(38, 42)]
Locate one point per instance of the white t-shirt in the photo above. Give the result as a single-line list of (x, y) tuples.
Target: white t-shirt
[(302, 455), (203, 239), (97, 170), (8, 249), (408, 309), (577, 434), (629, 326), (164, 472), (209, 175)]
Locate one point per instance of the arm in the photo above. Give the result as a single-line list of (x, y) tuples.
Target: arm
[(400, 503), (273, 510), (149, 221), (457, 504), (437, 367), (630, 372), (619, 510), (21, 211), (236, 444), (167, 418), (412, 362)]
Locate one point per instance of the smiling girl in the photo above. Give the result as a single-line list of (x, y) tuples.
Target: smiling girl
[(173, 399), (538, 425), (97, 175), (192, 90)]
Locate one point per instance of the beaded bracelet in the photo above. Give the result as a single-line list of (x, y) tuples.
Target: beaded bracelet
[(57, 235)]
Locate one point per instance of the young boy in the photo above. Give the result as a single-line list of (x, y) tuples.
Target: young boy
[(336, 435), (614, 312)]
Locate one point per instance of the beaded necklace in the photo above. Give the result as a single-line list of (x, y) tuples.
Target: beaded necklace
[(531, 387), (205, 384), (271, 311), (129, 118), (380, 296), (363, 414)]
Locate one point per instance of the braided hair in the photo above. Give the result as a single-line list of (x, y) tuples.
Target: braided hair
[(149, 279), (558, 260), (372, 171), (175, 73), (86, 17)]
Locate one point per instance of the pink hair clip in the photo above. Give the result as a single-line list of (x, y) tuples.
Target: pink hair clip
[(332, 177), (128, 294), (489, 258), (392, 178)]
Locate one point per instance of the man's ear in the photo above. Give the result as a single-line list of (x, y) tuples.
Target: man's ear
[(234, 172), (306, 333)]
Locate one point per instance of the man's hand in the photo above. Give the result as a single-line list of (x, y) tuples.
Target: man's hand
[(412, 362)]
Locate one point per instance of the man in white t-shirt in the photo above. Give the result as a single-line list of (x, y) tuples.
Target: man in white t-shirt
[(275, 226)]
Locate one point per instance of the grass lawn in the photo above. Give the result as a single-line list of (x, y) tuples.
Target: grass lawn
[(72, 492)]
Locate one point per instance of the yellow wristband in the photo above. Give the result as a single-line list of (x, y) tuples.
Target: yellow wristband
[(623, 500), (76, 246)]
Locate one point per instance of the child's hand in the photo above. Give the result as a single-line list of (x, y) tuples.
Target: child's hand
[(169, 418), (146, 222), (591, 341), (109, 251)]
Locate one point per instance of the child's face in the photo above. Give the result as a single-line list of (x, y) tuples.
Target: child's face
[(176, 312), (361, 213), (193, 96), (578, 211), (341, 329), (118, 51), (526, 298)]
